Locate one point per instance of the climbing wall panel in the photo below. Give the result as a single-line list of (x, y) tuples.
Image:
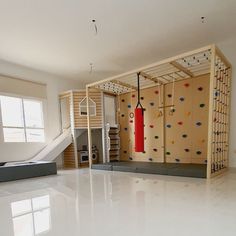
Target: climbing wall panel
[(81, 121), (151, 98), (187, 127), (220, 115)]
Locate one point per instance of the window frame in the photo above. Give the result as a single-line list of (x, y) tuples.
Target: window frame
[(24, 127), (94, 106)]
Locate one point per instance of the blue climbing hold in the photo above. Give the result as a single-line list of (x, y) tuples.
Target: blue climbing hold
[(129, 106), (181, 99)]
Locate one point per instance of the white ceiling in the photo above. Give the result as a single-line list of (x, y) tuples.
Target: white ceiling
[(57, 36)]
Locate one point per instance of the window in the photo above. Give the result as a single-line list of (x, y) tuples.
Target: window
[(83, 107), (22, 119), (31, 217)]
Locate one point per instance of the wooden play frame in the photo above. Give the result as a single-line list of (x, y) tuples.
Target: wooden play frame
[(206, 60)]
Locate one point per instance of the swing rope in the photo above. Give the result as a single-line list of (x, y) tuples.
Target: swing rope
[(138, 80)]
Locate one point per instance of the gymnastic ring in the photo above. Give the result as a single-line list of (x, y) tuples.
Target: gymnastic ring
[(131, 115)]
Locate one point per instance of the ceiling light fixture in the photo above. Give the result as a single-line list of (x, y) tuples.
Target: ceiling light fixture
[(203, 18), (95, 27), (91, 68)]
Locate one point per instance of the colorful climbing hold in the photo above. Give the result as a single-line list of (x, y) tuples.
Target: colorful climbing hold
[(156, 92), (122, 115), (198, 152), (180, 123), (155, 149), (150, 159), (167, 153), (186, 85), (184, 135), (131, 121), (198, 123), (169, 95), (156, 137), (151, 126), (200, 88), (142, 98), (151, 103), (177, 160), (168, 126), (130, 158), (181, 99), (133, 96), (202, 105), (123, 100), (129, 106), (186, 150)]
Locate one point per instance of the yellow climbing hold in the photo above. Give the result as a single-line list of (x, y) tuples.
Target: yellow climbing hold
[(173, 142)]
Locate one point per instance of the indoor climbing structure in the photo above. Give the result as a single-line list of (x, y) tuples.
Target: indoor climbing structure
[(186, 105)]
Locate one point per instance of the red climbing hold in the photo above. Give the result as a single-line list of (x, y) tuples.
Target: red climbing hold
[(133, 96), (180, 123), (131, 121), (186, 85), (156, 92)]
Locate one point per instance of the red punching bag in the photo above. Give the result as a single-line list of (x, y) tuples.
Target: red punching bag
[(139, 124)]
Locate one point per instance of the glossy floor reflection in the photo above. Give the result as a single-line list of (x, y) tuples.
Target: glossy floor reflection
[(83, 202)]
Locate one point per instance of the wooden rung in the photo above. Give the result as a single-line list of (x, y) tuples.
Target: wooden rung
[(180, 67)]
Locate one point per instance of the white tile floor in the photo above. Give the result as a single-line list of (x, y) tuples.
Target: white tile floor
[(99, 203)]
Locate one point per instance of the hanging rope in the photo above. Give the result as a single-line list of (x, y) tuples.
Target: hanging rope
[(139, 103), (160, 113), (173, 96)]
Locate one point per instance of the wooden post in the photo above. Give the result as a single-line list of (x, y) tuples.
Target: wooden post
[(210, 119), (73, 131), (89, 129), (162, 90)]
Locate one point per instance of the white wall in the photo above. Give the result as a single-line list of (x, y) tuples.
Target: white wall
[(229, 49), (55, 85)]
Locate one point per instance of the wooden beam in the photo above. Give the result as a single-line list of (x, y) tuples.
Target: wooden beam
[(124, 84), (181, 68), (152, 78)]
